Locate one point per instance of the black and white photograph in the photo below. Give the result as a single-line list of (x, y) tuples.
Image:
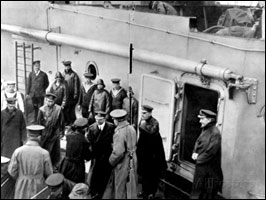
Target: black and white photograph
[(132, 99)]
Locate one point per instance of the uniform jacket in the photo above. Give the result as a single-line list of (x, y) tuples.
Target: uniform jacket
[(77, 151), (124, 147), (101, 149), (150, 151), (126, 106), (30, 165), (100, 101), (37, 84), (117, 100), (13, 131), (73, 86), (61, 93)]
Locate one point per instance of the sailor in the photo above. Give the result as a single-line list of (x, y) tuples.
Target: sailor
[(117, 94)]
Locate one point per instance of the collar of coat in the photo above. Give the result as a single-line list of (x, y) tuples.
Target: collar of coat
[(121, 125), (32, 142)]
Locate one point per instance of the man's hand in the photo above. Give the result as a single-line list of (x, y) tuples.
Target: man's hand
[(195, 156)]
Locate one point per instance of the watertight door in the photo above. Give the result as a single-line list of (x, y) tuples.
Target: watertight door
[(159, 93)]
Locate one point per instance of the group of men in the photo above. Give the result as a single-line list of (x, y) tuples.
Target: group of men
[(105, 135)]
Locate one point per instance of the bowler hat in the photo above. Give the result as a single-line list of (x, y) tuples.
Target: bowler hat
[(34, 130), (147, 108), (100, 82), (118, 113), (54, 180), (11, 100), (79, 191), (50, 95), (67, 63), (115, 80), (81, 122), (206, 113)]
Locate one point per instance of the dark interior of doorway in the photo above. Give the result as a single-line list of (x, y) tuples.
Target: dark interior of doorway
[(195, 98)]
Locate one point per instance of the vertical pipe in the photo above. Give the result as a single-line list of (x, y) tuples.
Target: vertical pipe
[(16, 60), (25, 66), (263, 24), (32, 56), (130, 72)]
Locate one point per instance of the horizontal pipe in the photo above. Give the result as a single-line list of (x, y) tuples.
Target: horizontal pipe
[(122, 51)]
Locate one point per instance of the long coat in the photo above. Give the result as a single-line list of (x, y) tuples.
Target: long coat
[(101, 147), (100, 101), (61, 93), (208, 172), (37, 84), (124, 148), (53, 121), (117, 99), (13, 131), (77, 151), (31, 165)]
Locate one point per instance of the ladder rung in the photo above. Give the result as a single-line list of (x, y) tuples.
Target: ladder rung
[(23, 57), (26, 46), (23, 64), (25, 51)]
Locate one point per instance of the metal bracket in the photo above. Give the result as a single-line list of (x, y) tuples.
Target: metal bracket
[(250, 85), (206, 81)]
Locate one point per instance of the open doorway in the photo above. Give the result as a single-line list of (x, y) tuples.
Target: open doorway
[(195, 98)]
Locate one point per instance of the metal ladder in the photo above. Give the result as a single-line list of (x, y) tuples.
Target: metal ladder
[(24, 55)]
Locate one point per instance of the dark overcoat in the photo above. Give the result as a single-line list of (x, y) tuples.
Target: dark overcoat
[(73, 86), (208, 173), (77, 151), (37, 84), (61, 93), (100, 101), (101, 147), (13, 131)]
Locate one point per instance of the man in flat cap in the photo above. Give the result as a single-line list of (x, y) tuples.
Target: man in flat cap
[(208, 175), (51, 117), (13, 128), (87, 89), (123, 181), (30, 165), (117, 94), (131, 105), (38, 82), (73, 88), (77, 151), (150, 152), (59, 187), (60, 90), (10, 92), (100, 138), (100, 100)]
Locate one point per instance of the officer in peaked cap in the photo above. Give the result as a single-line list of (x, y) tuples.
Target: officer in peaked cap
[(115, 80), (88, 74), (206, 113), (147, 108), (118, 114), (67, 63), (100, 114), (11, 83), (54, 180), (80, 191), (50, 95), (34, 130), (81, 123), (4, 160), (36, 62)]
